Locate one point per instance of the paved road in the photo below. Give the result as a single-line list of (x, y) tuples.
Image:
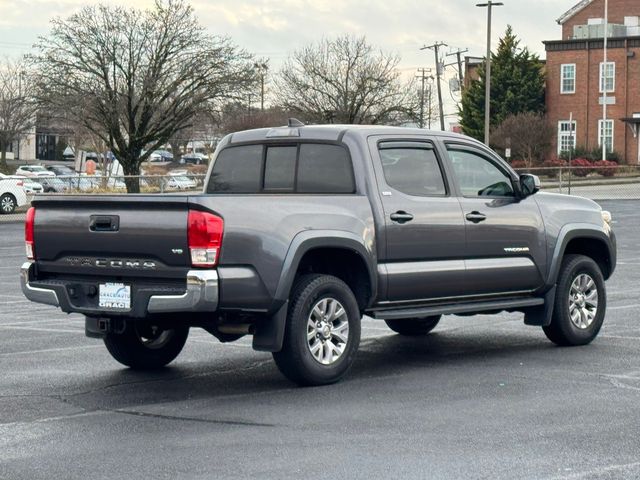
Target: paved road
[(481, 397)]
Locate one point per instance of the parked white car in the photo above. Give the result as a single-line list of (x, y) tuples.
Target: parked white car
[(181, 182), (34, 171), (12, 194)]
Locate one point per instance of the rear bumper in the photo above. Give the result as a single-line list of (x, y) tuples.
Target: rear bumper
[(201, 295)]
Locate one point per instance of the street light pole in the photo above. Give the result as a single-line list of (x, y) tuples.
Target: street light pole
[(487, 94), (262, 68)]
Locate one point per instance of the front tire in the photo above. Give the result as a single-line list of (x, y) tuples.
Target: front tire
[(580, 304), (145, 347), (322, 332), (413, 327), (8, 203)]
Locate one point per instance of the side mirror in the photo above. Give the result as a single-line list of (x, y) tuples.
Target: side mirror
[(529, 184)]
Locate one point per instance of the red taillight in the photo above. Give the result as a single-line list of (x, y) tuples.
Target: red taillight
[(205, 238), (28, 233)]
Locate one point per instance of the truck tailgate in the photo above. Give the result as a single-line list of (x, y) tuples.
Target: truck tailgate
[(142, 235)]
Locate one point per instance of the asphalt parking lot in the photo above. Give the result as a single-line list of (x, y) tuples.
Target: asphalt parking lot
[(481, 397)]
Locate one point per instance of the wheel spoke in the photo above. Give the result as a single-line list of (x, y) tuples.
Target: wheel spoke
[(590, 284), (315, 348), (332, 310)]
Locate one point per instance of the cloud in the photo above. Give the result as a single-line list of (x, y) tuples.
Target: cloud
[(274, 28)]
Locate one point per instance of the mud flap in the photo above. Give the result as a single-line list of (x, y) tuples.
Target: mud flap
[(270, 333), (541, 316)]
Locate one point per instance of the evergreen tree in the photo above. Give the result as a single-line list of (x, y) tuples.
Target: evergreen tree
[(517, 86)]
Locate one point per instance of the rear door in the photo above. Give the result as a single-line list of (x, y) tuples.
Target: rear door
[(425, 237), (505, 235)]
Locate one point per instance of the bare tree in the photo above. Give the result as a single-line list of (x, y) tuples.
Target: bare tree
[(17, 108), (136, 78), (235, 117), (528, 135), (345, 81)]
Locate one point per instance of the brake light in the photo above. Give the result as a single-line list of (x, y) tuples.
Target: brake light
[(204, 232), (28, 233), (20, 183)]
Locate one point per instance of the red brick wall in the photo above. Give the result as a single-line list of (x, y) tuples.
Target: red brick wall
[(585, 103), (618, 9)]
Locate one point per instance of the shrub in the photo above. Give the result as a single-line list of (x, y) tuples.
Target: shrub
[(594, 155), (519, 165), (552, 167), (578, 152), (606, 168), (583, 167)]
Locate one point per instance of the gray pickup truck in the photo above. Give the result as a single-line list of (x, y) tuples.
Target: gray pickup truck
[(301, 230)]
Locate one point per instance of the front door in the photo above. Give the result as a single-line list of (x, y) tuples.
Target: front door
[(505, 234), (425, 236)]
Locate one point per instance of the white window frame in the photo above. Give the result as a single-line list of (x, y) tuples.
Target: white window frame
[(564, 76), (603, 80), (567, 134), (601, 133)]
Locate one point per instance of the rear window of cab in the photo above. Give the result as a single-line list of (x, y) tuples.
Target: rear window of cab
[(304, 168)]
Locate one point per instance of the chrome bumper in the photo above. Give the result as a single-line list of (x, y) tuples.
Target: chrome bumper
[(38, 295), (201, 294)]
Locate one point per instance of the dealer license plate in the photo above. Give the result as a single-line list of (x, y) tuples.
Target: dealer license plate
[(115, 296)]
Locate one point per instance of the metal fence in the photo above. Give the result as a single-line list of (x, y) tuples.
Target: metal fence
[(594, 182)]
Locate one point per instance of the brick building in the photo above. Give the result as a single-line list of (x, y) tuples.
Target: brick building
[(578, 81)]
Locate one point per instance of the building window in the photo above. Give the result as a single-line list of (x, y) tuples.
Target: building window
[(568, 80), (605, 132), (566, 136), (607, 77)]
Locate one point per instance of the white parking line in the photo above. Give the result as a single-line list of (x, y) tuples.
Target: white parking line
[(49, 350), (37, 329), (622, 307)]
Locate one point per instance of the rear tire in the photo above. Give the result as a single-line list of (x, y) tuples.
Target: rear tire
[(580, 304), (322, 332), (413, 327), (8, 203), (144, 347)]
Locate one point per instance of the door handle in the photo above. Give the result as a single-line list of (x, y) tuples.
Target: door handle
[(401, 217), (104, 223), (476, 217)]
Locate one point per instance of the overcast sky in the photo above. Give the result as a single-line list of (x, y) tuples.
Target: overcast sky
[(273, 28)]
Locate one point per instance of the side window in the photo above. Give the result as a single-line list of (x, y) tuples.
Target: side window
[(412, 168), (324, 169), (280, 169), (237, 170), (479, 177)]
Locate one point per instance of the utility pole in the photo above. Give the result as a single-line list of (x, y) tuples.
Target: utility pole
[(423, 77), (603, 130), (487, 100), (459, 55), (436, 50), (262, 67)]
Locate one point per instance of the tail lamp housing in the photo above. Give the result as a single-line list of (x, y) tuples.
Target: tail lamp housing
[(28, 233), (204, 231)]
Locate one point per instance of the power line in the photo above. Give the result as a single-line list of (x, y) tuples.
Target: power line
[(436, 50)]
